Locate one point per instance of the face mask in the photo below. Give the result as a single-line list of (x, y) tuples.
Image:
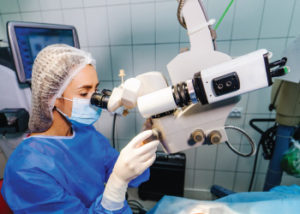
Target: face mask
[(83, 113)]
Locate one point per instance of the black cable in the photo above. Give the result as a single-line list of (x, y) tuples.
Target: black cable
[(114, 131), (136, 207), (267, 138), (254, 167)]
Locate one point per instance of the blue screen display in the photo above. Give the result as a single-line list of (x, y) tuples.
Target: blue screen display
[(32, 40)]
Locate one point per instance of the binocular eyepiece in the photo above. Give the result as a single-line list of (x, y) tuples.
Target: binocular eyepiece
[(100, 99)]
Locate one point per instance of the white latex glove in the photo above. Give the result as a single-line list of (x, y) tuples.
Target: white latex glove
[(133, 160)]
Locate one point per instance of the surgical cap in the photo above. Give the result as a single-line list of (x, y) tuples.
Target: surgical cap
[(53, 69)]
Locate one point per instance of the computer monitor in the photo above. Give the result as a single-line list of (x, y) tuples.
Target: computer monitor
[(26, 39)]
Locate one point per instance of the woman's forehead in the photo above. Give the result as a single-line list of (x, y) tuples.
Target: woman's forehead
[(87, 76)]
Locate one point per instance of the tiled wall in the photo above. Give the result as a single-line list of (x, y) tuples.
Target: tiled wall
[(144, 35)]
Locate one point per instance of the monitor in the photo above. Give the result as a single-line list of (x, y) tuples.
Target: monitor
[(26, 39)]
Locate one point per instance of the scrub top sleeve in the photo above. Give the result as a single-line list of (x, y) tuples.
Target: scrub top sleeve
[(34, 191)]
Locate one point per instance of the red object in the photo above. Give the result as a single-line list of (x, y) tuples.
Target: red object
[(4, 209)]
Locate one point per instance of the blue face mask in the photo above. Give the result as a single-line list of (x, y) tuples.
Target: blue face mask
[(83, 113)]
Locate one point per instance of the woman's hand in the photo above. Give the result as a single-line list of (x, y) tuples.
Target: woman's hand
[(133, 160), (136, 157)]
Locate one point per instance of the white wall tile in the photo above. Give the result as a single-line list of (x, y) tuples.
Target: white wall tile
[(121, 143), (295, 30), (114, 2), (139, 122), (224, 179), (71, 3), (125, 127), (164, 54), (9, 6), (138, 1), (103, 63), (167, 26), (245, 164), (290, 41), (122, 59), (29, 5), (105, 85), (258, 183), (92, 3), (242, 182), (2, 29), (190, 158), (104, 124), (203, 179), (259, 101), (205, 157), (248, 16), (183, 34), (97, 29), (215, 10), (54, 17), (11, 17), (226, 159), (32, 17), (50, 5), (76, 18), (239, 48), (243, 102), (189, 178), (223, 46), (144, 59), (143, 23), (276, 18), (119, 25), (276, 46), (235, 137)]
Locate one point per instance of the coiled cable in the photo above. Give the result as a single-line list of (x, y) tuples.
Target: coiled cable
[(251, 142)]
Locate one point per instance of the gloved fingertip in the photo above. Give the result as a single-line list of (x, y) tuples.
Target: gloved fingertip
[(141, 137)]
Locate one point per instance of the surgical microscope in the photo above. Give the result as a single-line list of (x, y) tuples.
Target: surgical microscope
[(205, 86)]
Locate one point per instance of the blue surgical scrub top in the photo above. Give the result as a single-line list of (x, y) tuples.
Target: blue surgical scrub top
[(53, 174)]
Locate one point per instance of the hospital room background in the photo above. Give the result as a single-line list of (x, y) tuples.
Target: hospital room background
[(144, 35)]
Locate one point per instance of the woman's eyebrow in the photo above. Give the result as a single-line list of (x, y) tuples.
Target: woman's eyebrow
[(88, 86)]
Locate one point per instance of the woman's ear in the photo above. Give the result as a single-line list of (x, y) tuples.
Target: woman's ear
[(58, 103)]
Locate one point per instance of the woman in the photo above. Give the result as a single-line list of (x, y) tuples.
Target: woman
[(64, 163)]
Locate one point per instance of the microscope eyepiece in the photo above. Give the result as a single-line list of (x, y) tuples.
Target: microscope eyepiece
[(100, 99)]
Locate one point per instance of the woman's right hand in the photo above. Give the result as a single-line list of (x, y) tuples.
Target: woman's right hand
[(136, 157), (133, 160)]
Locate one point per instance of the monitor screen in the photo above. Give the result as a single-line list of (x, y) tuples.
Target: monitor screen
[(28, 39)]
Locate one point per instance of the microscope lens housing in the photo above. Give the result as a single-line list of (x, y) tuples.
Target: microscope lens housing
[(100, 99), (213, 84)]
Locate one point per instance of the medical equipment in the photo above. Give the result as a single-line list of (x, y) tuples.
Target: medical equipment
[(26, 39), (13, 120), (205, 87), (167, 177)]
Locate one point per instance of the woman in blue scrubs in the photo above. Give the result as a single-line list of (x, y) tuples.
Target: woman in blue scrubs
[(65, 165)]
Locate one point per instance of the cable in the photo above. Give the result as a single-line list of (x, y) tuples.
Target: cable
[(267, 137), (136, 207), (251, 142), (179, 17), (114, 130), (224, 14)]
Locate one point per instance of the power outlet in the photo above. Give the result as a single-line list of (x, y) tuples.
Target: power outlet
[(236, 112)]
